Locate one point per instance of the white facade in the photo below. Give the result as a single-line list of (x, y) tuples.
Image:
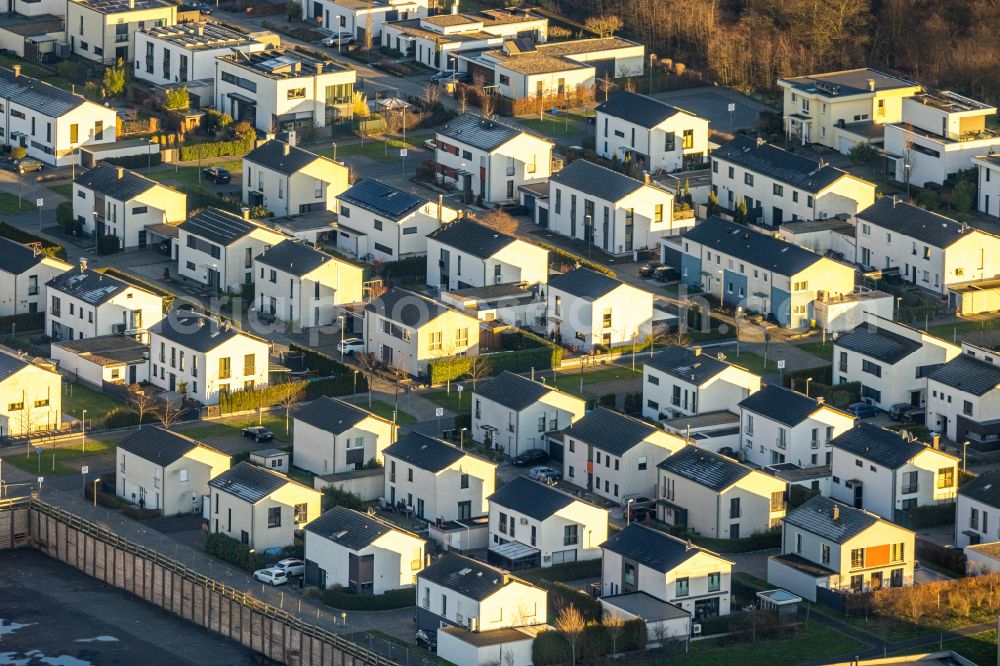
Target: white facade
[(227, 266), (269, 181), (321, 451), (24, 291), (187, 51), (455, 267), (73, 314), (678, 142), (357, 18), (617, 317), (176, 488), (104, 31), (30, 396), (667, 395), (963, 401), (977, 521), (988, 192)]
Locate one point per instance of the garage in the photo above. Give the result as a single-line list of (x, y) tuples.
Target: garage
[(845, 145)]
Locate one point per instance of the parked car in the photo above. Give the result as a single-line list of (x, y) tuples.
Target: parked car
[(204, 8), (26, 165), (430, 144), (512, 207), (258, 433), (896, 411), (638, 514), (545, 474), (273, 577), (351, 345), (340, 38), (636, 500), (666, 274), (914, 415), (862, 410), (646, 270), (529, 457), (427, 640), (217, 175), (291, 566), (445, 77)]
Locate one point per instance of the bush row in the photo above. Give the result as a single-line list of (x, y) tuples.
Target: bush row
[(326, 366), (21, 236), (411, 267), (26, 321), (596, 641), (390, 600), (136, 161), (230, 550), (201, 151), (930, 515), (558, 256), (259, 397), (334, 386), (526, 351)]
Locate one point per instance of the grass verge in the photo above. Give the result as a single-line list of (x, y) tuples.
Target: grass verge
[(55, 461)]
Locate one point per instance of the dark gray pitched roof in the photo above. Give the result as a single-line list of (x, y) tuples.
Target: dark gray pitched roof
[(90, 286), (470, 578), (531, 498), (780, 404), (883, 447), (197, 332), (116, 182), (381, 199), (596, 180), (424, 452), (349, 528), (271, 155), (916, 222), (218, 226), (294, 257), (817, 516), (654, 549), (795, 170), (705, 467), (639, 109), (984, 488), (969, 374), (878, 343), (407, 307), (511, 391), (585, 283), (16, 258), (332, 415), (37, 95), (757, 249), (157, 445), (478, 132), (610, 431), (11, 363), (471, 238), (249, 482), (685, 364)]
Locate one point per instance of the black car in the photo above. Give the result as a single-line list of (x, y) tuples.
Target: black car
[(427, 640), (646, 270), (217, 175), (512, 207), (529, 457), (258, 433), (639, 514), (914, 415), (666, 274)]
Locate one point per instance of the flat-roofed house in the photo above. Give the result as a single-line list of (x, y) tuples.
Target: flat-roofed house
[(104, 30)]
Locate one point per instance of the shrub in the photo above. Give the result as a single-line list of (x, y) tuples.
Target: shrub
[(48, 247), (326, 366), (108, 244), (333, 496), (230, 550), (863, 153), (390, 600), (26, 321), (197, 151), (561, 594), (177, 98), (64, 214), (409, 268), (257, 398), (523, 351), (927, 516), (334, 386), (559, 256), (214, 121)]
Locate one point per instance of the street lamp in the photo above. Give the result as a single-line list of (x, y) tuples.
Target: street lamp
[(461, 439), (96, 481), (83, 430), (340, 318), (808, 379), (628, 514), (965, 447), (334, 150), (652, 57), (722, 298), (354, 391)]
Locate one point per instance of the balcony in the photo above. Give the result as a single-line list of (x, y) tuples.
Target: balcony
[(909, 489), (121, 37)]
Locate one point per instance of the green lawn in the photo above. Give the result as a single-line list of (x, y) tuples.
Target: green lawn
[(752, 362), (451, 402), (979, 648), (384, 410), (10, 206), (77, 398), (569, 381), (63, 190), (556, 126), (375, 147), (822, 349), (273, 422), (54, 460), (964, 326), (815, 643), (187, 176)]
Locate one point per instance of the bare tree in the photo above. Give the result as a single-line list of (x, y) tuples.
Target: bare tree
[(291, 393), (463, 98), (479, 367), (369, 36), (500, 220), (488, 102), (606, 84), (168, 413), (570, 624), (368, 363), (432, 94), (614, 624), (604, 25), (141, 404)]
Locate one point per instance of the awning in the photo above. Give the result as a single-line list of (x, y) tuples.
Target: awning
[(161, 229), (514, 551), (241, 98)]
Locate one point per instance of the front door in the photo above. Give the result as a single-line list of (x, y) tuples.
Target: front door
[(859, 495), (876, 581), (915, 398)]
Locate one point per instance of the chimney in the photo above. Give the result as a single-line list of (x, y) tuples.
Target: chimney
[(820, 399), (319, 68), (836, 513), (201, 29), (17, 71), (83, 264), (246, 213), (871, 85), (454, 7), (645, 177), (285, 149), (936, 441), (440, 208), (697, 351), (131, 4), (121, 172)]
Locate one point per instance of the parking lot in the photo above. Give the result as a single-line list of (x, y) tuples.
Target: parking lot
[(713, 103)]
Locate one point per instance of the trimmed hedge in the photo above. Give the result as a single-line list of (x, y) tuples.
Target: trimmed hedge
[(327, 366), (26, 321), (390, 600), (551, 647), (564, 572), (565, 256), (525, 351), (411, 267), (230, 550), (21, 236), (236, 147), (256, 398), (136, 161), (930, 515), (333, 386)]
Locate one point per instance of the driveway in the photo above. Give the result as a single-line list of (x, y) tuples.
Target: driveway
[(713, 102)]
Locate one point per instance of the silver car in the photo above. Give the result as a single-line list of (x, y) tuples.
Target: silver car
[(291, 567), (273, 577)]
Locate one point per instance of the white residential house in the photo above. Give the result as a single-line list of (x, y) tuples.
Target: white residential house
[(937, 136), (988, 176), (678, 381), (653, 134), (30, 395), (114, 359), (104, 30), (587, 308), (977, 510), (518, 413), (779, 425), (890, 360), (260, 508), (217, 249), (845, 108), (405, 330), (282, 89), (332, 436), (759, 272), (886, 473), (435, 480), (288, 180), (164, 470), (184, 54), (963, 398), (464, 254), (51, 123), (535, 525), (378, 221), (486, 159), (825, 544), (778, 186), (713, 495), (204, 358), (24, 272), (354, 551), (358, 17), (110, 200), (461, 591), (672, 570), (303, 286), (613, 455), (616, 213), (930, 250), (83, 303)]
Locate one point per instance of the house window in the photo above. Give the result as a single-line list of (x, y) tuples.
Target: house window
[(825, 554), (225, 369), (898, 553), (777, 501), (462, 337), (464, 481), (249, 364), (734, 507), (274, 516), (296, 93), (435, 341), (681, 587), (629, 573), (967, 408), (871, 368), (748, 179), (301, 513), (946, 478), (688, 139), (570, 536), (714, 582), (857, 558), (777, 189), (503, 522), (655, 381)]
